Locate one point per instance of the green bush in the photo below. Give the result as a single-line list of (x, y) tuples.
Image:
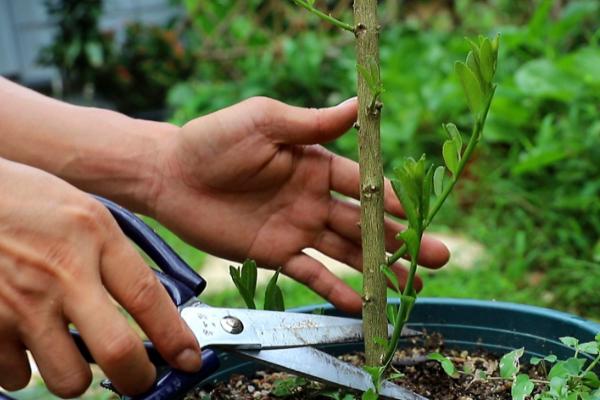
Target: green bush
[(531, 194)]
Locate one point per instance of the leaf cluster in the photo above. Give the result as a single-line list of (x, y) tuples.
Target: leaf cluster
[(245, 279)]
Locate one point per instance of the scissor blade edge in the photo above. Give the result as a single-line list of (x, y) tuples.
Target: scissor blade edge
[(320, 366)]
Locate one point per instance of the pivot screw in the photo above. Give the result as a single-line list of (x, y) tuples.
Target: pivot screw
[(232, 325)]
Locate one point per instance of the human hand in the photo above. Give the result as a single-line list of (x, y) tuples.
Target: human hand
[(62, 257), (249, 181)]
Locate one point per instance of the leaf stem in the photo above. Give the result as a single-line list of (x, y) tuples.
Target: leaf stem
[(592, 365), (326, 17)]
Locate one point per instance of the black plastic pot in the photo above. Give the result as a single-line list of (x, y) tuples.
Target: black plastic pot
[(496, 327)]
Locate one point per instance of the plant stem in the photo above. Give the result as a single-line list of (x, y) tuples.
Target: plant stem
[(592, 365), (407, 303), (326, 17), (371, 186)]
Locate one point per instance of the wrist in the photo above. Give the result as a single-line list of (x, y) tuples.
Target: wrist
[(123, 164)]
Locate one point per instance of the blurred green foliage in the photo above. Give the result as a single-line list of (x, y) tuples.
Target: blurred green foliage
[(531, 194)]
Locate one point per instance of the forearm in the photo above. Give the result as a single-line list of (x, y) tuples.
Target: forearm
[(99, 151)]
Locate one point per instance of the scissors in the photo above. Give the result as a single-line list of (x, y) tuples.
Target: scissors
[(279, 340)]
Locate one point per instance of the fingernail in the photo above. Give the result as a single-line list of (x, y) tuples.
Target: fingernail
[(189, 360), (351, 99)]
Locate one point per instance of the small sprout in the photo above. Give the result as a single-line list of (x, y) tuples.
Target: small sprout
[(569, 341), (288, 387), (446, 364), (245, 279), (536, 360), (273, 295)]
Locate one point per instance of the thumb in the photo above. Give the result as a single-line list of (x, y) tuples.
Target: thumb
[(297, 125)]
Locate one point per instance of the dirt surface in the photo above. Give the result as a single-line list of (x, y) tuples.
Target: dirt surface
[(420, 375)]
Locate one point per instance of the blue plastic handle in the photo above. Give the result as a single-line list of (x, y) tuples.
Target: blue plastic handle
[(182, 283)]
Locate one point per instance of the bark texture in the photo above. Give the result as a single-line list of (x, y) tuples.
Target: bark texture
[(371, 181)]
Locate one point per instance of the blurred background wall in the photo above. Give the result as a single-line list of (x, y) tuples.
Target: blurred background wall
[(26, 27)]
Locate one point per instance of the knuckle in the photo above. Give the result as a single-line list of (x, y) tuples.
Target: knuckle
[(90, 216), (121, 348), (144, 294), (70, 384), (262, 111), (59, 255)]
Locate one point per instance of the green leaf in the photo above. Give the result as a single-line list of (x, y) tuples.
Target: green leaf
[(566, 368), (522, 387), (369, 395), (535, 360), (495, 44), (288, 387), (427, 189), (237, 280), (376, 374), (273, 295), (450, 153), (455, 136), (383, 342), (392, 313), (471, 87), (590, 379), (551, 358), (249, 276), (446, 363), (412, 241), (487, 61), (509, 363), (438, 180), (569, 341), (391, 275), (473, 65), (408, 204), (589, 347), (93, 50), (395, 376)]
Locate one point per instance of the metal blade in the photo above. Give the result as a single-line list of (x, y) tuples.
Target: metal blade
[(257, 329), (318, 365)]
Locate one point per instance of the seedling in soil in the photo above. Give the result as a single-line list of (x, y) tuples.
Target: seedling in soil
[(569, 379)]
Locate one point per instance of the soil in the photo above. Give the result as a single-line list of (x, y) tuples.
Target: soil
[(420, 375)]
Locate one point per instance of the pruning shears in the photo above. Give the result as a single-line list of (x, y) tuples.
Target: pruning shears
[(279, 340)]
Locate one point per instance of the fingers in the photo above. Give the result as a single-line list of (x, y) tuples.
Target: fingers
[(138, 290), (345, 179), (59, 361), (285, 124), (112, 342), (14, 366), (344, 218), (315, 275)]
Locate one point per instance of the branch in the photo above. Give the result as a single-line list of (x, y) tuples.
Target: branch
[(322, 15)]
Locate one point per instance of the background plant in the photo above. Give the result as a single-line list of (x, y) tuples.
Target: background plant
[(79, 49)]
